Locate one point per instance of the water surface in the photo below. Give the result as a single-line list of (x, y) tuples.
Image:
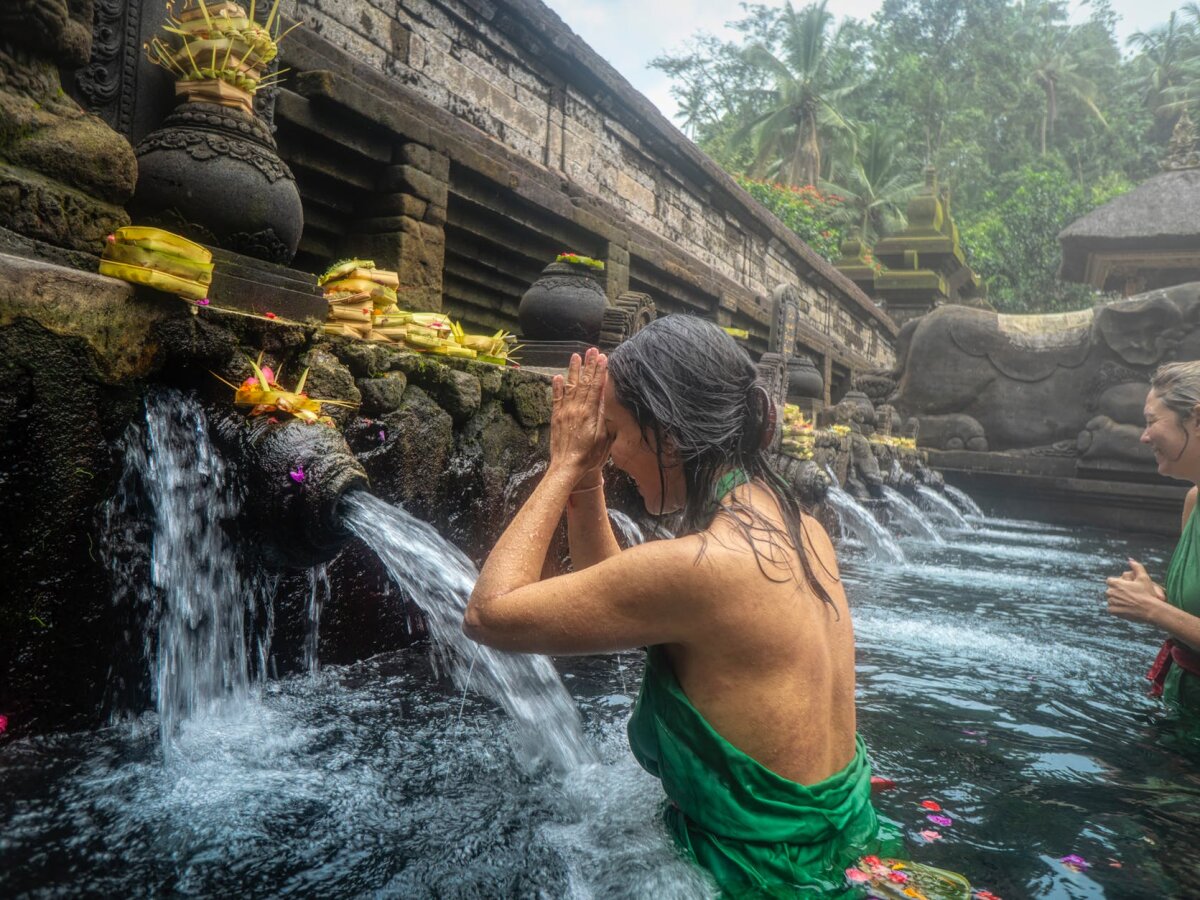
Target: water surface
[(990, 681)]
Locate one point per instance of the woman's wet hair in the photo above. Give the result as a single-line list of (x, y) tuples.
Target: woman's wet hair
[(689, 384), (1177, 385)]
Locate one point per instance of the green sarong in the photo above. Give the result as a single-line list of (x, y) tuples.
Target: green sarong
[(1181, 688), (756, 832)]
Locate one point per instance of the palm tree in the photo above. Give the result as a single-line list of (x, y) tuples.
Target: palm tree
[(1172, 52), (1057, 56), (803, 105), (875, 184), (1165, 52)]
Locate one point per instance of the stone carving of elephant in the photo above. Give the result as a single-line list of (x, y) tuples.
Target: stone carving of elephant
[(1068, 384)]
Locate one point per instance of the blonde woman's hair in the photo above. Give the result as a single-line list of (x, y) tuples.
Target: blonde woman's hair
[(1177, 384)]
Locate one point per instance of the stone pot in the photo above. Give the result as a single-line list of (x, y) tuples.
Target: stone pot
[(214, 174), (804, 380), (566, 303)]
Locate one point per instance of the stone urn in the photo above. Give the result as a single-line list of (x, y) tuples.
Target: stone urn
[(213, 173), (804, 380), (566, 303)]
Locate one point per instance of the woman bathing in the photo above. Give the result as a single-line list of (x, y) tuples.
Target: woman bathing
[(1173, 433), (746, 710)]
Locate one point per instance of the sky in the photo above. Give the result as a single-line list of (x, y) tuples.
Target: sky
[(630, 33)]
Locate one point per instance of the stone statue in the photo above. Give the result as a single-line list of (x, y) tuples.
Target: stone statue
[(863, 478), (64, 174), (1062, 384)]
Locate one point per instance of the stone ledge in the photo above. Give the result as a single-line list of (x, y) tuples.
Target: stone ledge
[(113, 317)]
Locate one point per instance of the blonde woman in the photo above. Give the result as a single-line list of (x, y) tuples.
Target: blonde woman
[(1173, 433)]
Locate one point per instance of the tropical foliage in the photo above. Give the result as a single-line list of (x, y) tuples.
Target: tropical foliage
[(1030, 119)]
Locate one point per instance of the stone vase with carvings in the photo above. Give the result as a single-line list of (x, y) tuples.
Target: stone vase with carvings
[(213, 173), (805, 382), (566, 303)]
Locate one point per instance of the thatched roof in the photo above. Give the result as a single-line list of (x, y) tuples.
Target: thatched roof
[(1158, 214)]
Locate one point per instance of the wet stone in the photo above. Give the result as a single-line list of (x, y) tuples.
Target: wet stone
[(382, 395), (532, 403)]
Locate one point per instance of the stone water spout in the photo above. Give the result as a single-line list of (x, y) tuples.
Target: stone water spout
[(295, 476)]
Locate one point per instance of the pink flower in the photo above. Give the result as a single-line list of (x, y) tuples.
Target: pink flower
[(930, 835), (203, 301), (944, 821), (3, 724), (382, 436), (857, 875), (1075, 862), (297, 475)]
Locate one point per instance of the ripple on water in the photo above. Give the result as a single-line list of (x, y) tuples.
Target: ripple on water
[(988, 681)]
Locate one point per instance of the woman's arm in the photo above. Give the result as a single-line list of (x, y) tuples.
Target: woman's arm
[(589, 531), (654, 593), (579, 443), (1134, 596)]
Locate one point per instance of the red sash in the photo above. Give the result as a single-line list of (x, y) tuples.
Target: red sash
[(1172, 653)]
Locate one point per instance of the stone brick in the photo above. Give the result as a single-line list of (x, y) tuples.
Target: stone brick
[(415, 155), (411, 180), (435, 215), (416, 252)]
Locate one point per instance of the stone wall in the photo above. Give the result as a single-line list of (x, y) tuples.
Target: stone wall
[(544, 147), (78, 355)]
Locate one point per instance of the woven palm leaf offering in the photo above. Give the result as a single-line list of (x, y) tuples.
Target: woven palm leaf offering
[(798, 436), (158, 259), (218, 51), (361, 297), (264, 395), (363, 304), (894, 879)]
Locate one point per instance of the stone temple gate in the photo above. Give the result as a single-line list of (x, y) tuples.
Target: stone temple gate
[(466, 142)]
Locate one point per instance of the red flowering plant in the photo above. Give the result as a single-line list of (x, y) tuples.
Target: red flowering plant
[(803, 209)]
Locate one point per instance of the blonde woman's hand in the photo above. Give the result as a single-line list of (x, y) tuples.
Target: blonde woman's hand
[(579, 439), (1134, 596)]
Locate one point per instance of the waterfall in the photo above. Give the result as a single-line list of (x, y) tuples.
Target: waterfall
[(439, 578), (910, 517), (195, 601), (940, 506), (318, 594), (628, 529), (964, 502), (857, 520)]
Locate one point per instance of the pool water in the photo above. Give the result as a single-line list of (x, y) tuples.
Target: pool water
[(990, 680)]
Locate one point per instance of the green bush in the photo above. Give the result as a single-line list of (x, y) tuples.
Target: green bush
[(1014, 246)]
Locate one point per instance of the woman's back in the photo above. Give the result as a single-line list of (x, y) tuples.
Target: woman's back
[(771, 668)]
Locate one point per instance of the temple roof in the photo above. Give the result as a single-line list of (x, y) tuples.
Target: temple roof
[(1158, 214)]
